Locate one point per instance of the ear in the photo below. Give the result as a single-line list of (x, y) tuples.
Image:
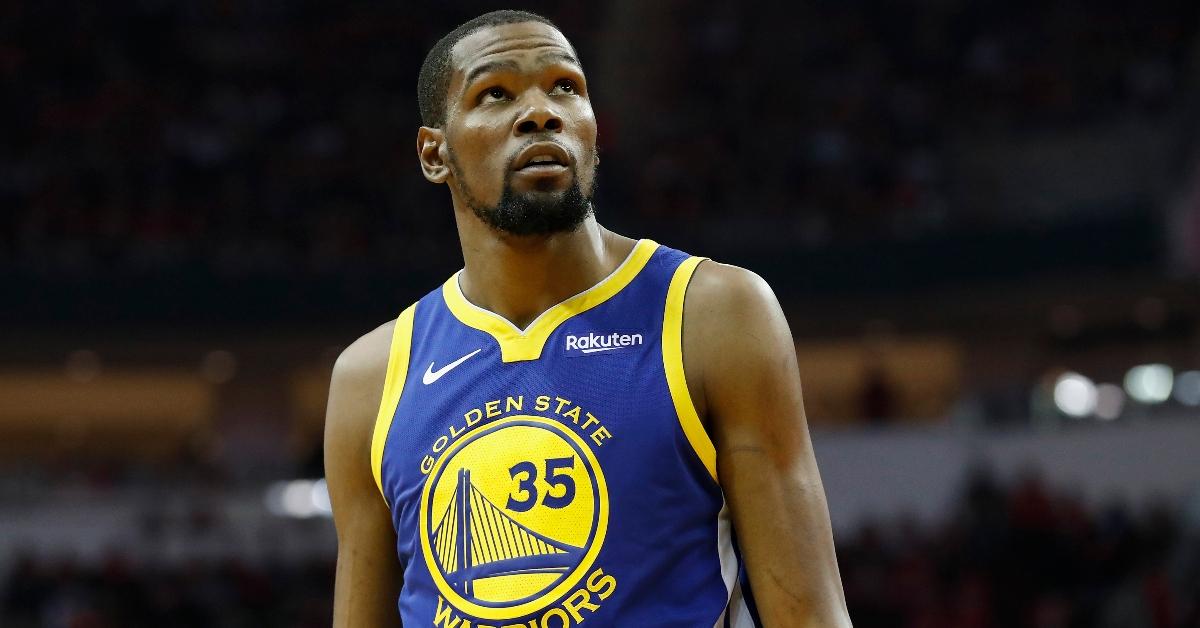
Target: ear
[(430, 142)]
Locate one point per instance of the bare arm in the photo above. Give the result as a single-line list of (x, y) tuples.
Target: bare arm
[(368, 572), (741, 368)]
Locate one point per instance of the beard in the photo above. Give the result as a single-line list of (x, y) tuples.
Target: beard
[(531, 213)]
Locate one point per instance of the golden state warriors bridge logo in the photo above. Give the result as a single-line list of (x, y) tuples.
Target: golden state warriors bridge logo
[(513, 515)]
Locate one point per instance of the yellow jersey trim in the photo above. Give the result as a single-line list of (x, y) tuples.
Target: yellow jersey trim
[(672, 350), (393, 386), (518, 345)]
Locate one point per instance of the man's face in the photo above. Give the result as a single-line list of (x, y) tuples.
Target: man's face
[(520, 134)]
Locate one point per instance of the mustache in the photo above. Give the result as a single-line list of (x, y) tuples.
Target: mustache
[(512, 160)]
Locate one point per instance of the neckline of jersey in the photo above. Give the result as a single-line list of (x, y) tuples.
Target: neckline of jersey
[(517, 345)]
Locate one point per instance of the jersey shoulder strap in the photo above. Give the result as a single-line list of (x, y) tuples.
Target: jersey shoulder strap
[(393, 387)]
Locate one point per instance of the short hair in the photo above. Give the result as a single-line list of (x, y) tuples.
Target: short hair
[(434, 80)]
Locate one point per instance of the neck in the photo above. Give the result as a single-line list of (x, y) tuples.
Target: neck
[(519, 277)]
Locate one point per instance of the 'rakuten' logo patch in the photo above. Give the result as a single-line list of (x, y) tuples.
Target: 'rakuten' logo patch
[(592, 343)]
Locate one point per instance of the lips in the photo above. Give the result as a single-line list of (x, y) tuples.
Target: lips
[(548, 155)]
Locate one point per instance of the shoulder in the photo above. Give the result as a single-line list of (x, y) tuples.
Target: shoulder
[(733, 327), (366, 356), (365, 360), (719, 292), (725, 298), (356, 386)]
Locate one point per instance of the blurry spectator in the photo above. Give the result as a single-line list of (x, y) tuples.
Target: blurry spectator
[(252, 139)]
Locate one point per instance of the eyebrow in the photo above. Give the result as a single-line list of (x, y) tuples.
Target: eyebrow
[(510, 65)]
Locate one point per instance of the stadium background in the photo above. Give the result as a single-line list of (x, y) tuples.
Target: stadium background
[(983, 221)]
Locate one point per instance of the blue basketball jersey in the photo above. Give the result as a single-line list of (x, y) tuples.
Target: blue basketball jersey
[(559, 474)]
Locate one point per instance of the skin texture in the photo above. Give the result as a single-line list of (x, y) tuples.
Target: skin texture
[(368, 573), (741, 370), (738, 351)]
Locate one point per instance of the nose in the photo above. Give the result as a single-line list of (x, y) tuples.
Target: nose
[(538, 116)]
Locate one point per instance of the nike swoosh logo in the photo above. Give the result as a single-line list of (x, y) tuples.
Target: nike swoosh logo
[(599, 349), (432, 376)]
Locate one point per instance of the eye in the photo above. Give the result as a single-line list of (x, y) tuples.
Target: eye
[(492, 94), (567, 86)]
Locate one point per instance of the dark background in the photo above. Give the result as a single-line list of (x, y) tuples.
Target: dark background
[(959, 205)]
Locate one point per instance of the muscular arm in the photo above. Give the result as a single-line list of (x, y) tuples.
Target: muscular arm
[(368, 572), (741, 368)]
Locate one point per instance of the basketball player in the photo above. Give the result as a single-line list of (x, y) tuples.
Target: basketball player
[(571, 428)]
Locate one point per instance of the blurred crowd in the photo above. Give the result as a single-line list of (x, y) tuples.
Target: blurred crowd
[(118, 593), (1012, 557), (266, 138), (842, 115), (1026, 556)]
